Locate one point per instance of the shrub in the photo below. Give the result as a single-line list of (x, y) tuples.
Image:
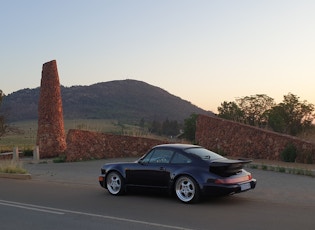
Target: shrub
[(282, 169), (60, 159), (28, 153), (253, 166), (289, 154)]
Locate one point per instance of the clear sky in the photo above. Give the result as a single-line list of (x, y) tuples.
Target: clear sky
[(206, 52)]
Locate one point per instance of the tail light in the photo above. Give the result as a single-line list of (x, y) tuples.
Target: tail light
[(234, 180)]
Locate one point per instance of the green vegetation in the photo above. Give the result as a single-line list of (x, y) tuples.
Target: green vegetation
[(190, 127), (291, 116), (60, 159), (289, 154)]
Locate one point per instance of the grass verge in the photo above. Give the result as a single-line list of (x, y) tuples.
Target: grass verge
[(9, 166), (281, 169)]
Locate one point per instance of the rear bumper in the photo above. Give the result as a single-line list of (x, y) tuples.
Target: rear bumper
[(226, 189)]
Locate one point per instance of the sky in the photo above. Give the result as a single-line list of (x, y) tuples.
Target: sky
[(205, 52)]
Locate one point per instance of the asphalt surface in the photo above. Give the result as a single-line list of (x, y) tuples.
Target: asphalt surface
[(68, 196), (87, 172)]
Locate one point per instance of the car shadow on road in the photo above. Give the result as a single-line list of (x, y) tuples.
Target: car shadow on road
[(145, 195)]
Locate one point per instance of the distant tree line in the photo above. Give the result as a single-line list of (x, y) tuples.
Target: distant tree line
[(291, 116), (165, 128), (172, 127)]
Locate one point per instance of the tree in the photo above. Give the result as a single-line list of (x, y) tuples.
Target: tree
[(250, 110), (255, 108), (167, 127), (190, 127), (276, 119), (156, 127), (170, 128), (231, 111), (291, 116)]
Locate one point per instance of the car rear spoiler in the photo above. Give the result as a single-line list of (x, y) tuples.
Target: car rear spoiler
[(227, 167)]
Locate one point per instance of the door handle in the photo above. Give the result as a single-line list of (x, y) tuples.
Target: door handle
[(162, 168)]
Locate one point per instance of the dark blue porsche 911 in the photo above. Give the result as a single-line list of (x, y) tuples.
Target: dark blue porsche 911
[(189, 171)]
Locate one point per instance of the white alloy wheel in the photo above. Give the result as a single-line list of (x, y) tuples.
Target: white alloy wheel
[(186, 189), (115, 184)]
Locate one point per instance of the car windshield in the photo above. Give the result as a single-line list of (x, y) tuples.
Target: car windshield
[(204, 154)]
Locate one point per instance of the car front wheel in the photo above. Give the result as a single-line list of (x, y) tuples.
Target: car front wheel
[(187, 190), (115, 183)]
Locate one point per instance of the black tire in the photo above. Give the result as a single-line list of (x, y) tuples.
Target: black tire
[(187, 189), (115, 183)]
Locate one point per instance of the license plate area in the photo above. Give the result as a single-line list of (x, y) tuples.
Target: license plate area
[(245, 186)]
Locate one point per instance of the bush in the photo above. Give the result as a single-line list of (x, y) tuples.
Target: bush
[(60, 159), (289, 154), (28, 153)]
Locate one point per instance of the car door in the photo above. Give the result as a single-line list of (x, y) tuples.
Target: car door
[(152, 171)]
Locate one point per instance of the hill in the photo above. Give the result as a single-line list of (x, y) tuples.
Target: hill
[(125, 100)]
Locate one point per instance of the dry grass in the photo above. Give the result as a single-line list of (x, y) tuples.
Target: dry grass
[(27, 138), (10, 166)]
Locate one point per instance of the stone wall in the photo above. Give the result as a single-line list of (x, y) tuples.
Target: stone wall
[(51, 137), (86, 145), (239, 140)]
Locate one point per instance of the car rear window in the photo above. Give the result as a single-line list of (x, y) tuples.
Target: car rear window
[(204, 154), (180, 159)]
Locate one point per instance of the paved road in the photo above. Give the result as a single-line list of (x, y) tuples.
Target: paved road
[(67, 196)]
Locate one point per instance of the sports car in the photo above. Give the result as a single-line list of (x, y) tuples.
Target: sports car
[(190, 172)]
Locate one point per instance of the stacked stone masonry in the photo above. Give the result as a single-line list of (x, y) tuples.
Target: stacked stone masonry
[(86, 145), (239, 140), (51, 137)]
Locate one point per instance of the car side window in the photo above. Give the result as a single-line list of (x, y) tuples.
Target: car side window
[(161, 156), (180, 159), (147, 158)]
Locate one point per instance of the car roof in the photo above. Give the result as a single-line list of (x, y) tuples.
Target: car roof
[(177, 146)]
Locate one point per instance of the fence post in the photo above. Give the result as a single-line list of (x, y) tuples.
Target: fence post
[(16, 153), (36, 153)]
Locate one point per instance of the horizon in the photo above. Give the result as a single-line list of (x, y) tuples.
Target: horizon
[(215, 112)]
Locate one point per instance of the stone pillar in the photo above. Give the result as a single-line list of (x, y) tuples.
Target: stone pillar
[(16, 155), (50, 134), (36, 153)]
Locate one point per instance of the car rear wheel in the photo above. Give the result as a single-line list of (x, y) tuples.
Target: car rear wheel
[(115, 183), (187, 190)]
